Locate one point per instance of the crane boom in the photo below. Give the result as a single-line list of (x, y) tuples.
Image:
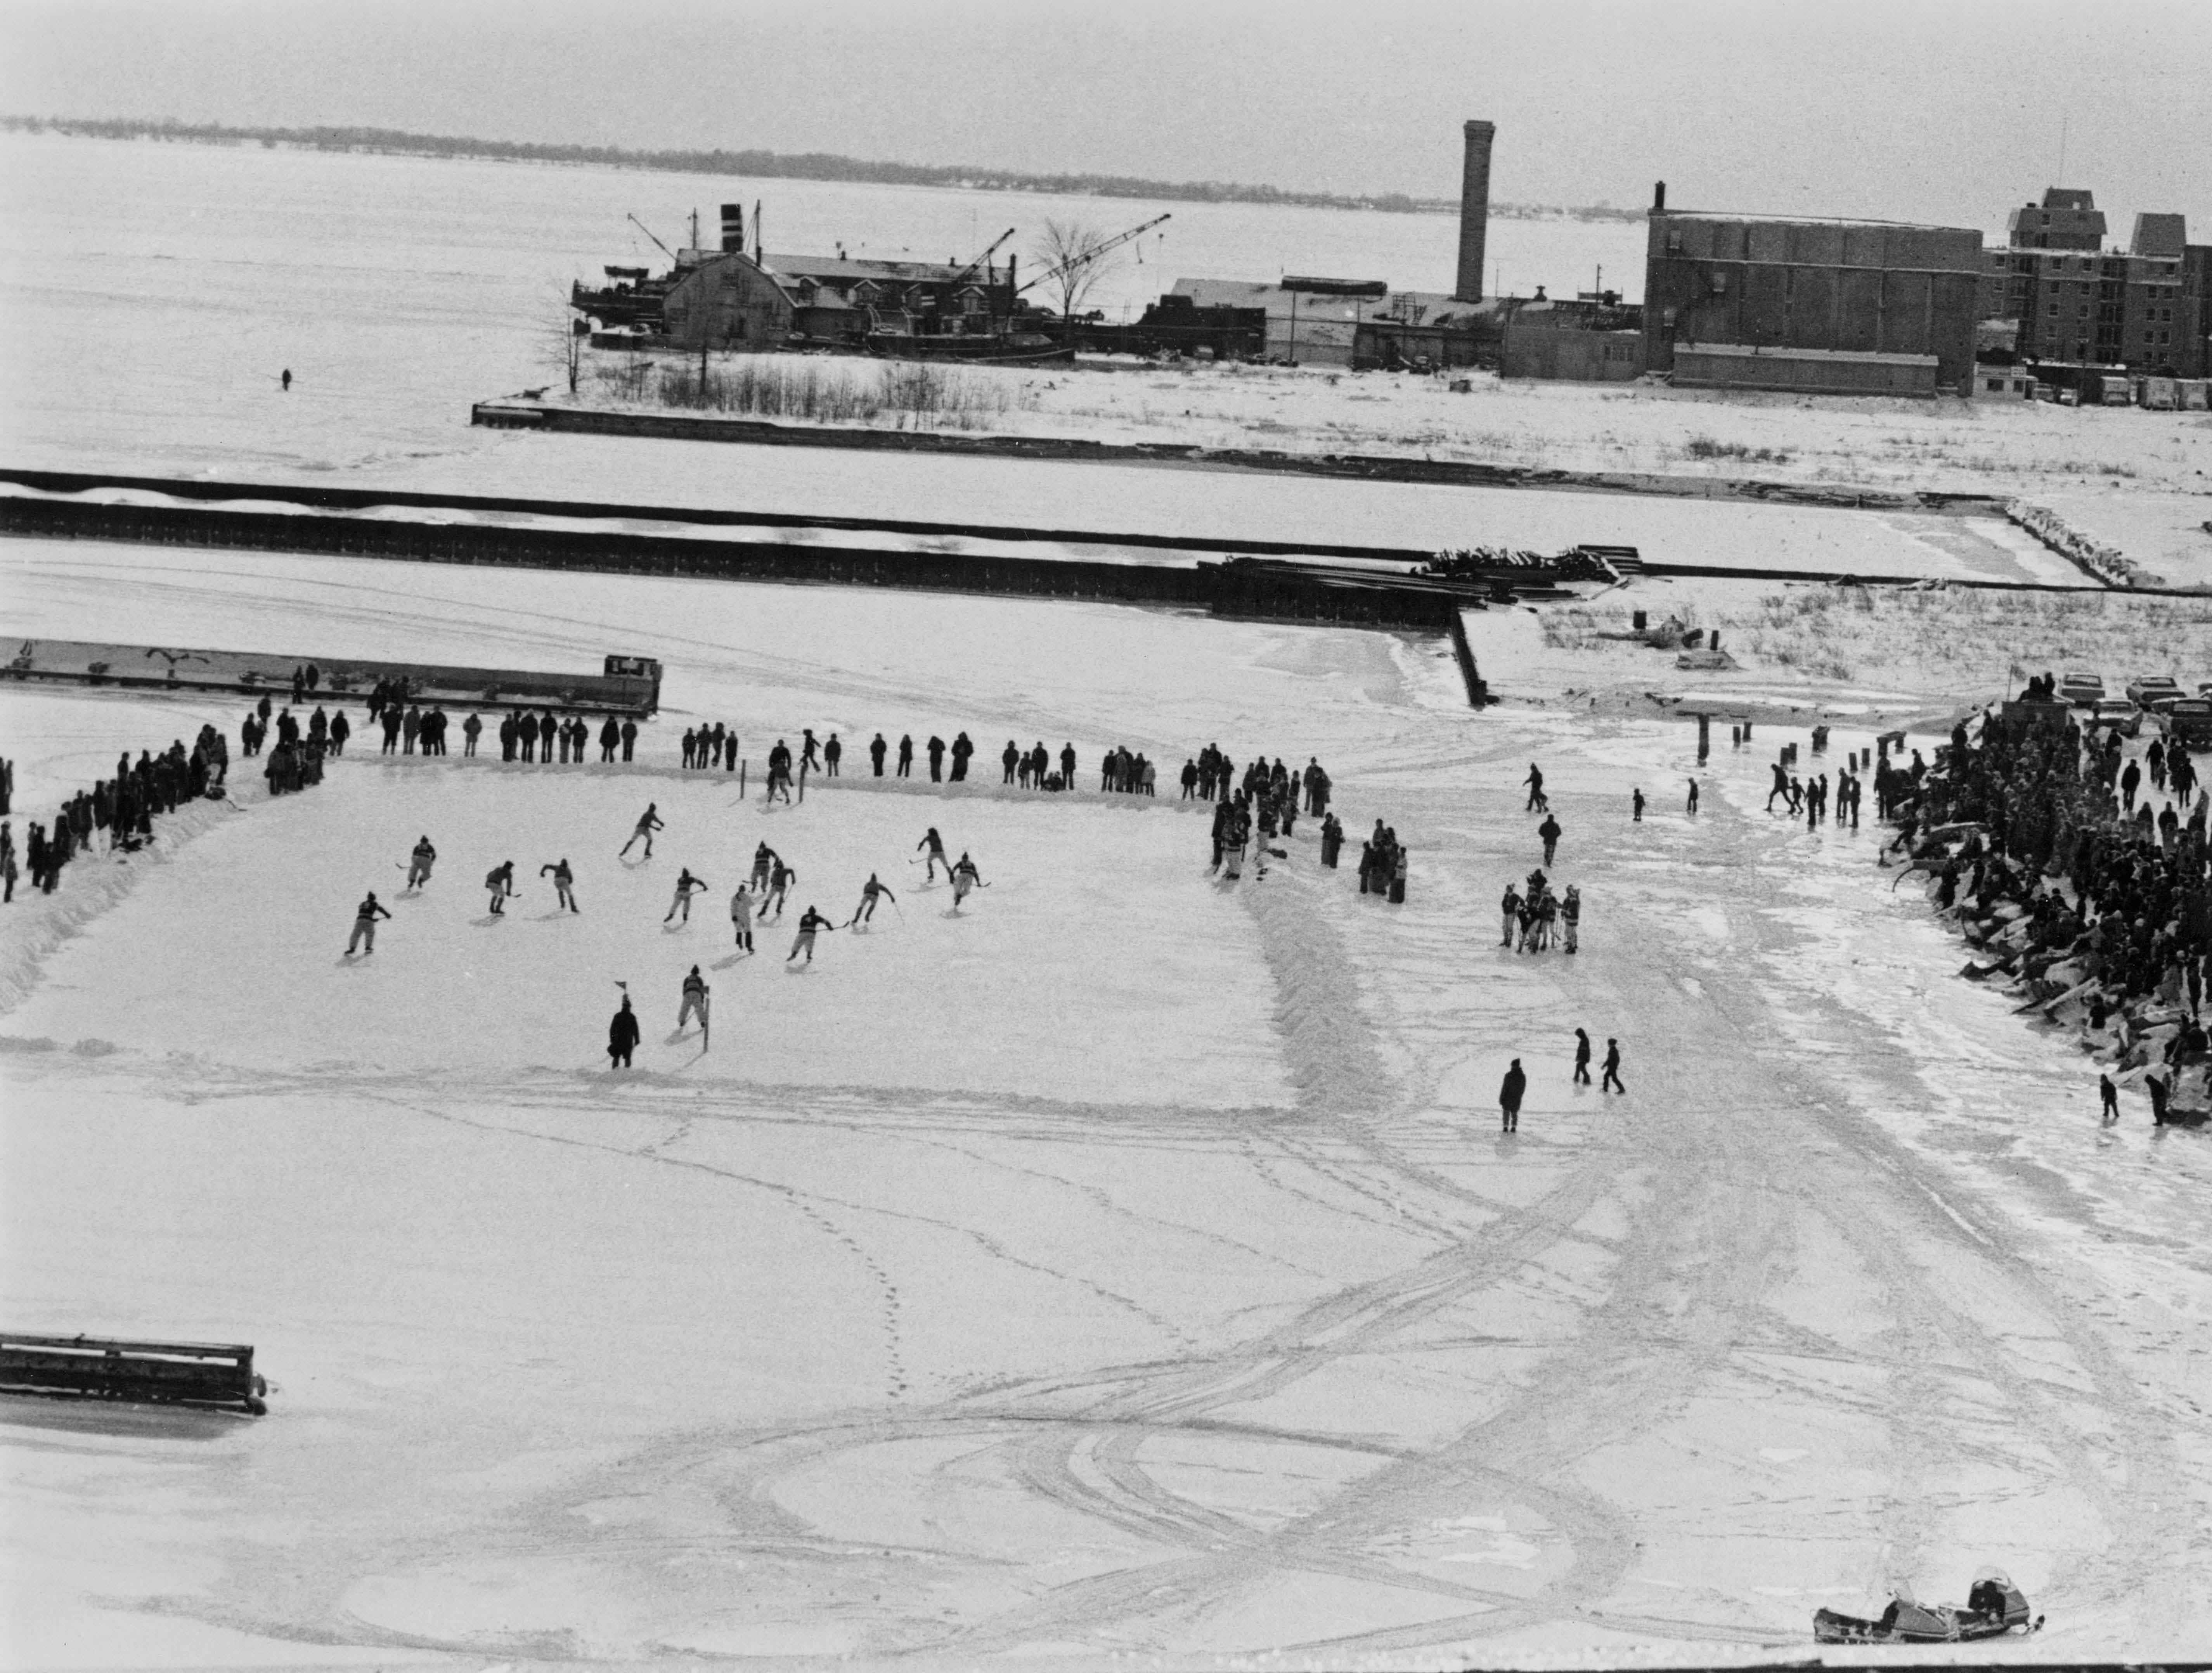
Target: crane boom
[(1087, 257), (647, 230), (961, 277)]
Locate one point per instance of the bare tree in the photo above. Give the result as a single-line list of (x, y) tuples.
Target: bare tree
[(565, 333), (1075, 257)]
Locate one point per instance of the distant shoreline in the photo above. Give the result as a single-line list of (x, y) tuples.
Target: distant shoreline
[(777, 166)]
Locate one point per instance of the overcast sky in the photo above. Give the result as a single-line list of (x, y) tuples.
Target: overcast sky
[(1935, 110)]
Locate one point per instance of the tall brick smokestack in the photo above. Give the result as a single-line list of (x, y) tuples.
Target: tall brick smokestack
[(1474, 210)]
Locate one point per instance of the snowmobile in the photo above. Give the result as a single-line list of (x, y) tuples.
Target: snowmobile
[(1995, 1607)]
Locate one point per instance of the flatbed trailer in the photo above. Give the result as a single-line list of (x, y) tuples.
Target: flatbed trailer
[(197, 1373)]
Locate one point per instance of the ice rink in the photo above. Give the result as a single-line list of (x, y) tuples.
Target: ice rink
[(1128, 1265)]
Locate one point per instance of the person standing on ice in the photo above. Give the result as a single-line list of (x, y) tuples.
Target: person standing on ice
[(1550, 832), (621, 1036), (741, 916), (1692, 804), (1008, 758), (364, 925), (694, 1004), (1582, 1056), (964, 877), (471, 730), (1510, 905), (648, 823), (1636, 805), (1535, 783), (780, 877), (629, 738), (1508, 1097), (936, 759), (1611, 1079), (935, 845), (877, 750), (500, 879), (809, 922), (906, 755), (832, 753), (686, 887), (1571, 915), (419, 863), (564, 884), (865, 911), (2109, 1097)]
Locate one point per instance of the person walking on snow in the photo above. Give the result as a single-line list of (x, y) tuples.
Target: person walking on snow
[(500, 879), (1550, 832), (865, 911), (1611, 1077), (419, 863), (935, 843), (809, 922), (694, 1004), (686, 887), (564, 886), (964, 877), (1535, 783), (648, 823), (364, 925), (1571, 915), (1510, 907), (1693, 799), (1582, 1056), (1508, 1097), (741, 917), (621, 1036), (2109, 1095)]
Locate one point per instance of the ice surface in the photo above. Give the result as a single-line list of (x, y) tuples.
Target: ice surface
[(1156, 1283)]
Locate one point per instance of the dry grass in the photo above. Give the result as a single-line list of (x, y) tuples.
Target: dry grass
[(1964, 639), (813, 389)]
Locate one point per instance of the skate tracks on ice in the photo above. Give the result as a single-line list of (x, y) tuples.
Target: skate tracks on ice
[(1671, 1369)]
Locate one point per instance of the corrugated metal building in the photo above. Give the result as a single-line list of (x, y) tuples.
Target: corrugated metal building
[(1769, 288), (1309, 330)]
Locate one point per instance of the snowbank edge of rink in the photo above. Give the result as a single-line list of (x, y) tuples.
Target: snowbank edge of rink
[(1328, 1047), (89, 889)]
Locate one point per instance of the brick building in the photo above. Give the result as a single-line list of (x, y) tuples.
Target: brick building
[(2077, 303), (1833, 306)]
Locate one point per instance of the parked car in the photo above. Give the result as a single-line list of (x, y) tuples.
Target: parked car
[(2081, 690), (2189, 723), (2122, 716), (2158, 692)]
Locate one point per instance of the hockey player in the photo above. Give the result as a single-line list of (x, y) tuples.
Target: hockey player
[(419, 863), (935, 843), (621, 1036), (500, 879), (648, 823), (809, 922), (694, 1004), (964, 877), (764, 859), (865, 911), (564, 884), (686, 887), (780, 877), (741, 917), (364, 924)]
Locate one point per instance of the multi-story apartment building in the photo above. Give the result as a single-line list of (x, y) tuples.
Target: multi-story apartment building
[(2078, 304)]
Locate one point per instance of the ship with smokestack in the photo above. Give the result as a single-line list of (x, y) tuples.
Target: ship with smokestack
[(736, 299)]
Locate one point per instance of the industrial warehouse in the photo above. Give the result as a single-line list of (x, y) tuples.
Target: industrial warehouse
[(1800, 305)]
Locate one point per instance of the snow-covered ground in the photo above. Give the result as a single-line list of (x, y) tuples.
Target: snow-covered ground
[(1128, 1264)]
